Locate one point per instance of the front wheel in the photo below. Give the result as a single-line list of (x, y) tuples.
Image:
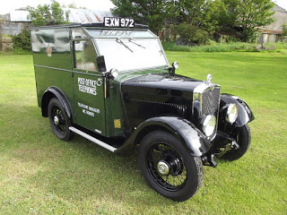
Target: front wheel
[(242, 135), (167, 166)]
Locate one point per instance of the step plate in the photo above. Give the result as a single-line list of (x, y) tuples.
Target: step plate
[(92, 139)]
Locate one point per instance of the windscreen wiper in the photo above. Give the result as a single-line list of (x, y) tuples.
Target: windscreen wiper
[(121, 42), (132, 41)]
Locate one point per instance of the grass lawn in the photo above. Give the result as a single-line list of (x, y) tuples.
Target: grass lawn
[(40, 174)]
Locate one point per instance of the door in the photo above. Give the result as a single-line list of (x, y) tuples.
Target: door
[(89, 89)]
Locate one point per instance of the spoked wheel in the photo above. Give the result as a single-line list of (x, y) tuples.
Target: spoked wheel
[(59, 120), (242, 136), (168, 168)]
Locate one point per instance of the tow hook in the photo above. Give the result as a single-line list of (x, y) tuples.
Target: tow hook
[(228, 147), (208, 160)]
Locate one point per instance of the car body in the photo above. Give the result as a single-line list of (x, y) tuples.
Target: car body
[(112, 84)]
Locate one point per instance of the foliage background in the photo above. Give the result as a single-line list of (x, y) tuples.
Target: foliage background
[(22, 42), (48, 14), (187, 23), (203, 17), (42, 15)]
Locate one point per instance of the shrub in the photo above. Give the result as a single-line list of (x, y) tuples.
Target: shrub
[(191, 35), (22, 42), (229, 39), (170, 46), (284, 27)]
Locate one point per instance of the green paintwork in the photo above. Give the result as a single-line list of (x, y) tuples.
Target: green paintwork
[(65, 58), (88, 101)]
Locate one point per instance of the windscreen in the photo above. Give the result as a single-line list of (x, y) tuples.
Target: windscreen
[(130, 50)]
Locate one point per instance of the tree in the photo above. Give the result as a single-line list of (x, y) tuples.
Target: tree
[(197, 20), (198, 15), (216, 13), (0, 33), (191, 12), (73, 6), (42, 15), (47, 14), (249, 15), (284, 27), (150, 12)]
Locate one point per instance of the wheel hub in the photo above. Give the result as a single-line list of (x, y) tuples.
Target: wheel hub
[(177, 167), (163, 168), (56, 120)]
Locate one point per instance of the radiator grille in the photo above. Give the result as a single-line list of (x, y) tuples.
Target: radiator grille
[(210, 101)]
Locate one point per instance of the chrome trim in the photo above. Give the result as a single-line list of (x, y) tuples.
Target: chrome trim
[(197, 97), (201, 88), (105, 88), (56, 120), (163, 168), (54, 68), (92, 139), (198, 91), (93, 73)]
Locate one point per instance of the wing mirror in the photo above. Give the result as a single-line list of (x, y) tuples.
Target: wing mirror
[(101, 63)]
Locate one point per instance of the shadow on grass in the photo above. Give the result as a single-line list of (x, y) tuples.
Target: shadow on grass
[(77, 170)]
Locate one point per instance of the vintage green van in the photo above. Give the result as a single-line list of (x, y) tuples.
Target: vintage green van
[(112, 84)]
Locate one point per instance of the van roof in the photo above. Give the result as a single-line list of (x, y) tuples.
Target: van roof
[(96, 25)]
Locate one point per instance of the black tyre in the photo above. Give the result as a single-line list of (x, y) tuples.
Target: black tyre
[(243, 137), (59, 120), (167, 166)]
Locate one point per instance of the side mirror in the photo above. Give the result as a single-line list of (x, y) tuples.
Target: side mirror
[(101, 63)]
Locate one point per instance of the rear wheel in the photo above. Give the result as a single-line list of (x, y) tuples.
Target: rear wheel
[(59, 120), (168, 167)]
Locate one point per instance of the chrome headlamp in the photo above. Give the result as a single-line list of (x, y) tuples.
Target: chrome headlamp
[(232, 113), (209, 125)]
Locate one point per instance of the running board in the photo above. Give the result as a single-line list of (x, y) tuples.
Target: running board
[(92, 139)]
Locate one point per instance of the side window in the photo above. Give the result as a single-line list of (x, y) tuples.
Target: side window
[(61, 41), (77, 33), (85, 55)]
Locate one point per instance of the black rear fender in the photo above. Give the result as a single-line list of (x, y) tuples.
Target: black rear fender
[(50, 93)]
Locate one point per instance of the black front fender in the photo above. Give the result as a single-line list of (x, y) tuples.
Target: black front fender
[(194, 141), (245, 114)]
